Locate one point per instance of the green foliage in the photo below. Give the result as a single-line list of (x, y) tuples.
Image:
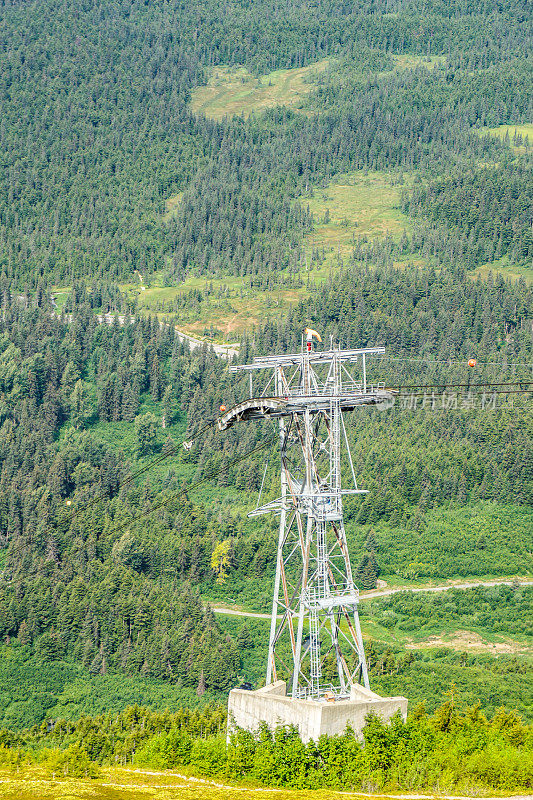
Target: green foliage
[(477, 539), (92, 581), (84, 585), (425, 676), (467, 753), (73, 762), (100, 581), (121, 621), (160, 739), (220, 560), (458, 749), (208, 756), (145, 431), (496, 614), (499, 609), (29, 686), (368, 570), (109, 151), (33, 690), (166, 750), (498, 200)]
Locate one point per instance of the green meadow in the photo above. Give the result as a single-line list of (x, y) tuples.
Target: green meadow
[(235, 91)]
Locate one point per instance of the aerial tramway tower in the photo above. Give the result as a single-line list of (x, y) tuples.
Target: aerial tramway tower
[(315, 636)]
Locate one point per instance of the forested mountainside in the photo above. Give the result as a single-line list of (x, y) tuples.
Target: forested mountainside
[(97, 130), (56, 589), (486, 214), (391, 205), (104, 571)]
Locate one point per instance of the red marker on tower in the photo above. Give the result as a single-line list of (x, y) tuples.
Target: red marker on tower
[(310, 334)]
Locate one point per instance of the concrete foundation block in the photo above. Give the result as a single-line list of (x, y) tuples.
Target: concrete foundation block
[(247, 709)]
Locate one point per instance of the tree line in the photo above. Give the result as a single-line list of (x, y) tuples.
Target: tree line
[(457, 749)]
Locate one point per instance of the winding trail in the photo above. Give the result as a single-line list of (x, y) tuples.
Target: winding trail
[(191, 780), (130, 783), (221, 350), (228, 351), (524, 581)]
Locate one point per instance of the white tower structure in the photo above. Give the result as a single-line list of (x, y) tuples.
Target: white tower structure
[(315, 643)]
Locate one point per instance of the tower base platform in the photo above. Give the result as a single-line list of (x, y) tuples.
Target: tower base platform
[(313, 718)]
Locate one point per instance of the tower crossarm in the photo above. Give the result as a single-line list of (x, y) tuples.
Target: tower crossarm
[(257, 408), (296, 359)]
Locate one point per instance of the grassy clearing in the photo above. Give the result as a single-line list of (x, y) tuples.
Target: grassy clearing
[(407, 61), (60, 296), (451, 637), (171, 206), (506, 268), (469, 641), (458, 636), (353, 205), (501, 131), (229, 306), (231, 91)]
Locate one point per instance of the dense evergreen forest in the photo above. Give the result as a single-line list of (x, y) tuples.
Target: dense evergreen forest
[(96, 130), (114, 540), (498, 221), (58, 593)]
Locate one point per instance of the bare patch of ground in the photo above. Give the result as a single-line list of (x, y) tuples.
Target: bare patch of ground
[(467, 640), (172, 205), (226, 325)]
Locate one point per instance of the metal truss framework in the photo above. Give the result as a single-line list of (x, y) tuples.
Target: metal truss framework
[(314, 611)]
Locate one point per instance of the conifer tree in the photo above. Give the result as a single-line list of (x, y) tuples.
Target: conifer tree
[(130, 404), (146, 433)]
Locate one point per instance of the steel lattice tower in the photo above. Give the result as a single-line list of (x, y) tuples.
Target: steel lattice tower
[(314, 610)]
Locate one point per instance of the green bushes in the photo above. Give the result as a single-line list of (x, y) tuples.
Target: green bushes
[(208, 756), (11, 756), (457, 750), (453, 750), (73, 762), (177, 748), (166, 750), (487, 609), (70, 762)]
